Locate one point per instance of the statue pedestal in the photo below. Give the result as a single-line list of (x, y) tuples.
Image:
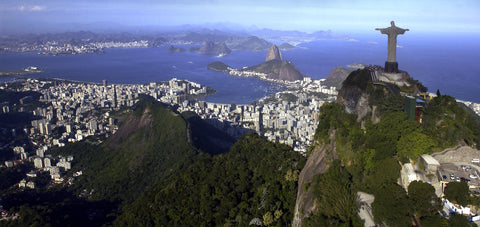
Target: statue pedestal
[(399, 79), (391, 67)]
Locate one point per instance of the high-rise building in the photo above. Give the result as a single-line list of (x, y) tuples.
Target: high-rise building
[(23, 155), (68, 128), (93, 125), (40, 152), (47, 162), (38, 162)]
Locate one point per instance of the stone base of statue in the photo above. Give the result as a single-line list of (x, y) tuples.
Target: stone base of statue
[(391, 67), (400, 79)]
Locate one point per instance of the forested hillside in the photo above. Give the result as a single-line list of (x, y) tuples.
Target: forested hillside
[(255, 182), (166, 168), (370, 155)]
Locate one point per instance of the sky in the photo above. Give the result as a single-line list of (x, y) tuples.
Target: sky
[(450, 16)]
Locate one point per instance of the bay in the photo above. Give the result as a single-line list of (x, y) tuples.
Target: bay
[(446, 62)]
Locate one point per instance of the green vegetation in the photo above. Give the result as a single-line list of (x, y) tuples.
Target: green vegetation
[(414, 144), (459, 220), (425, 203), (289, 97), (11, 176), (218, 66), (448, 123), (385, 102), (205, 137), (172, 169), (392, 206), (332, 116), (371, 153), (166, 168), (31, 99), (255, 179), (457, 192), (417, 84), (55, 207), (358, 78), (151, 142), (336, 198)]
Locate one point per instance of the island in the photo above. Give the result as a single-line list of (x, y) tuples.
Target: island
[(173, 49), (209, 48), (219, 66)]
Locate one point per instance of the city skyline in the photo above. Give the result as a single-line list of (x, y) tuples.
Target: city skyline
[(309, 16)]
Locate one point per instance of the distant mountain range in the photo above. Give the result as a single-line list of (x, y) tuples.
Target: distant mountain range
[(255, 40)]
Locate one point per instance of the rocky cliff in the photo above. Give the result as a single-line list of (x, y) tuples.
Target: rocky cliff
[(278, 70), (273, 54), (317, 163)]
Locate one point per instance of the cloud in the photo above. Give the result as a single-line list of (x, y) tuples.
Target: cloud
[(38, 8), (35, 8)]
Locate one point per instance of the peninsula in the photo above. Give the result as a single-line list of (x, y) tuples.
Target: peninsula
[(274, 68), (26, 71)]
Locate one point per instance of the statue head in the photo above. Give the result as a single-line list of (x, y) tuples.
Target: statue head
[(392, 23)]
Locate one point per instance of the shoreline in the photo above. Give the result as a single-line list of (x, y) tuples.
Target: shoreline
[(7, 73)]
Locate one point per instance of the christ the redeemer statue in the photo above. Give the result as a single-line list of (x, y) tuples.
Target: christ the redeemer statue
[(391, 65)]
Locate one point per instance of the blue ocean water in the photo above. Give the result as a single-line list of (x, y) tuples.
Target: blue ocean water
[(447, 63)]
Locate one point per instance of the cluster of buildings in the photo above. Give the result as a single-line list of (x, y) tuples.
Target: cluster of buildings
[(291, 121), (56, 166), (73, 111), (242, 73), (61, 48)]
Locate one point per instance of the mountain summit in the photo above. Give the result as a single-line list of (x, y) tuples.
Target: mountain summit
[(273, 53), (274, 68)]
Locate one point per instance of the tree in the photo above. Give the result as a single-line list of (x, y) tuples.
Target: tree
[(278, 214), (457, 192), (425, 201), (384, 172), (392, 206), (335, 196), (267, 219), (459, 220), (414, 144)]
